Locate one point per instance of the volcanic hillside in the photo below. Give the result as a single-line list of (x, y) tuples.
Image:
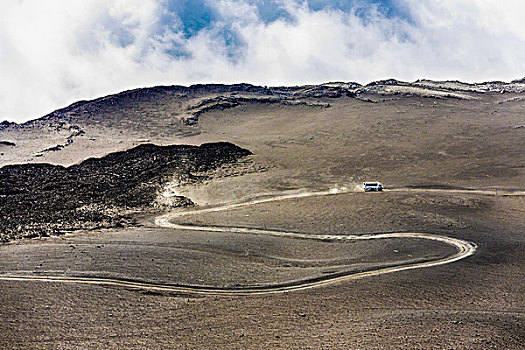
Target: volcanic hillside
[(450, 155), (405, 133)]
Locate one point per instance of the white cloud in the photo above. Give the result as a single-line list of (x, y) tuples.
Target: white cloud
[(55, 52)]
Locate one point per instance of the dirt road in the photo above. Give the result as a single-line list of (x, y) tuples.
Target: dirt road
[(463, 250), (491, 192)]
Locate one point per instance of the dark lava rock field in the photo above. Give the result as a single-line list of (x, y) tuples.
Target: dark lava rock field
[(42, 199)]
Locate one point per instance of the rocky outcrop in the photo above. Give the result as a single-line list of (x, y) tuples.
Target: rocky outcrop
[(206, 105), (220, 103), (75, 132), (5, 125)]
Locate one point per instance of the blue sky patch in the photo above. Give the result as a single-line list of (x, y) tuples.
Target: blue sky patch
[(194, 15), (364, 8), (270, 11)]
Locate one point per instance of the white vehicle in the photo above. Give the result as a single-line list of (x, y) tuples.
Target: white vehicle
[(372, 186)]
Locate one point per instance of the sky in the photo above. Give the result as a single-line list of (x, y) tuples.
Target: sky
[(56, 52)]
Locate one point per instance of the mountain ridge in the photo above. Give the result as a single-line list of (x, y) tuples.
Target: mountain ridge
[(333, 89)]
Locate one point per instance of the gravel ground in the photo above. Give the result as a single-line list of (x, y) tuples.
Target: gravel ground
[(397, 138)]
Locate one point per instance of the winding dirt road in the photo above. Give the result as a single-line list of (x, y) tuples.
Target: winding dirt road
[(463, 250)]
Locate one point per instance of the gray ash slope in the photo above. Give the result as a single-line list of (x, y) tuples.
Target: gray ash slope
[(43, 199), (204, 97), (161, 114)]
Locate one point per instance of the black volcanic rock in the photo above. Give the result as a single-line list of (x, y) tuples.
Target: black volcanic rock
[(5, 124), (386, 82), (41, 199)]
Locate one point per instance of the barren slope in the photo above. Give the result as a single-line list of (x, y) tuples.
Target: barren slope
[(424, 134)]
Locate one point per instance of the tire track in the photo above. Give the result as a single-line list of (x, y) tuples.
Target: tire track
[(494, 192), (463, 250)]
